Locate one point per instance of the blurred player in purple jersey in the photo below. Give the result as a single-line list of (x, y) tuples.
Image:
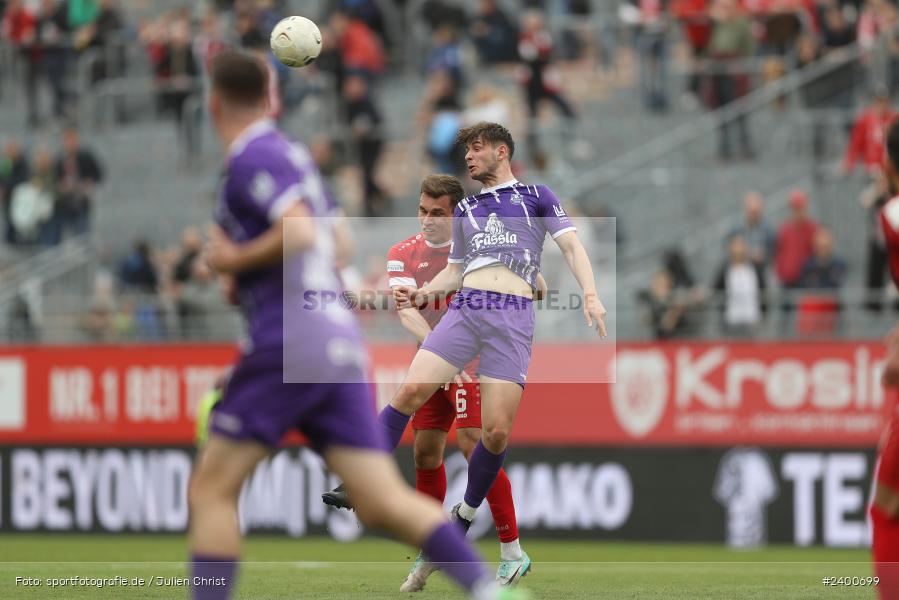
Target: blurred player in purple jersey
[(271, 194), (498, 237)]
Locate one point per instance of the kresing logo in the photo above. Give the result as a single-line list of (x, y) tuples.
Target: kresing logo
[(494, 234)]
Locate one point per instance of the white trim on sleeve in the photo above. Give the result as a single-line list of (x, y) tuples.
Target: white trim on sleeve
[(285, 202), (455, 261), (395, 281), (566, 230)]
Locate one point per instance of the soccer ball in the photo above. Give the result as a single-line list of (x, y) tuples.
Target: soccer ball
[(296, 41)]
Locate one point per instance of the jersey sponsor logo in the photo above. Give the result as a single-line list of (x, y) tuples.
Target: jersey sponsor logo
[(394, 266), (516, 198), (560, 212), (640, 391), (423, 265), (263, 187), (494, 235)]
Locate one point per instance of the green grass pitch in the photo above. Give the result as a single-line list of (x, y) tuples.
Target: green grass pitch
[(372, 569)]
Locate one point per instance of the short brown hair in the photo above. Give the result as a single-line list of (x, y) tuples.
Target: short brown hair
[(240, 78), (436, 186), (492, 133)]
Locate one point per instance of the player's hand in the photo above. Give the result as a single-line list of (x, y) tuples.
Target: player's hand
[(408, 297), (459, 379), (595, 313), (221, 253)]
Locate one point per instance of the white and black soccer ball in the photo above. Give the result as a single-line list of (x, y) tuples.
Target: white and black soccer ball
[(296, 41)]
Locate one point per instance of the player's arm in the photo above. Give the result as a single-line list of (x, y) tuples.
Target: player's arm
[(446, 281), (414, 323), (296, 227), (579, 263)]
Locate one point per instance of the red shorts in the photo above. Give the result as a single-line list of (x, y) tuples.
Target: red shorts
[(459, 403)]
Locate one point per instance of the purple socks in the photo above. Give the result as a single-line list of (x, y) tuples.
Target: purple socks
[(447, 548), (394, 423), (212, 577), (482, 470)]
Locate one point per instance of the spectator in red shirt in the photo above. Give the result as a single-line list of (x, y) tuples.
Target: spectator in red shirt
[(18, 23), (795, 241), (694, 15), (868, 134), (360, 50)]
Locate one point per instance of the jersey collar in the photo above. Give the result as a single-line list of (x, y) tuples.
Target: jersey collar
[(506, 184), (443, 245), (251, 132)]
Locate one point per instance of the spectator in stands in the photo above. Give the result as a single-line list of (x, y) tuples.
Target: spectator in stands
[(541, 80), (33, 203), (104, 32), (823, 270), (653, 52), (741, 285), (795, 241), (757, 235), (364, 120), (694, 16), (18, 23), (196, 296), (187, 254), (446, 55), (78, 171), (443, 115), (868, 134), (666, 314), (731, 43), (836, 30), (494, 34), (177, 76), (361, 52), (137, 271), (14, 169), (876, 17), (210, 42), (47, 59)]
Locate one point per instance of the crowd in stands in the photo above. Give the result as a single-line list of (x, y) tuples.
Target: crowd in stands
[(47, 197), (155, 293), (798, 259)]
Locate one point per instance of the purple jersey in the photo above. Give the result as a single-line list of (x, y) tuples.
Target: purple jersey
[(507, 225), (266, 175)]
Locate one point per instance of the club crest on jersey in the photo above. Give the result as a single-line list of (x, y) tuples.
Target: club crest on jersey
[(516, 198), (494, 234), (423, 265)]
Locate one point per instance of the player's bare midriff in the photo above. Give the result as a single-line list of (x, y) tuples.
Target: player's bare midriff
[(498, 278)]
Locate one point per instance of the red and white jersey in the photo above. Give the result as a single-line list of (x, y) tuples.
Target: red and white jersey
[(889, 221), (415, 262)]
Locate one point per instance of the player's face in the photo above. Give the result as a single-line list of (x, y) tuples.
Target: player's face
[(435, 216), (482, 160)]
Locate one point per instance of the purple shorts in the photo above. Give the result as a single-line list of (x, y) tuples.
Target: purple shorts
[(499, 327), (258, 405)]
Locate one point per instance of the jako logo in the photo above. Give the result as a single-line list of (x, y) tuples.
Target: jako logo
[(641, 390), (495, 234)]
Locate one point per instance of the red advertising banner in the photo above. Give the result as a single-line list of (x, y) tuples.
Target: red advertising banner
[(689, 394)]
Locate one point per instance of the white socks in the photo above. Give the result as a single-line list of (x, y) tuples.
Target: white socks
[(510, 550), (467, 512)]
